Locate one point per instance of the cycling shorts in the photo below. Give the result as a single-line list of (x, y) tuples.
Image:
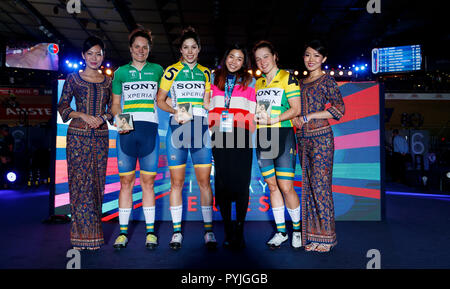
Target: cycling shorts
[(276, 152), (192, 137), (141, 143)]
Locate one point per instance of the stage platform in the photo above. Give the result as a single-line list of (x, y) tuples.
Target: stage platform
[(414, 234)]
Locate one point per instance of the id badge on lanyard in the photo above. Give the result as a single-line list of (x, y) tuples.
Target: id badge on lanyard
[(226, 119), (226, 122)]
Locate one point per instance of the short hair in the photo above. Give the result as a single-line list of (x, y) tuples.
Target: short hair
[(92, 41), (318, 45), (189, 33), (140, 31), (265, 44)]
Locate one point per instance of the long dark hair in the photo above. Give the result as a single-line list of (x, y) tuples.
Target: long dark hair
[(242, 76)]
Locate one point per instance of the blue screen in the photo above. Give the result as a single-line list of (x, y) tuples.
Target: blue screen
[(396, 59)]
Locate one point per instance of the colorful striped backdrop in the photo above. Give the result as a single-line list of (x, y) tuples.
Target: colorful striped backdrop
[(356, 173)]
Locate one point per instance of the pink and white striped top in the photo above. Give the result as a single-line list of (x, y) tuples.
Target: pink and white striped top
[(242, 106)]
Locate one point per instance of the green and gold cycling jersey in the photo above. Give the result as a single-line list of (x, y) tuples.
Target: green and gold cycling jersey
[(187, 85), (283, 87), (138, 90)]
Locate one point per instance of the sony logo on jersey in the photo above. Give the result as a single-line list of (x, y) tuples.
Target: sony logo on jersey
[(136, 86), (148, 73), (268, 92), (187, 85)]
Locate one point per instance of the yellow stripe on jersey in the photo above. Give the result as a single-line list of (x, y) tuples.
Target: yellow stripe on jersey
[(285, 174), (193, 103), (202, 165), (177, 167), (127, 173), (148, 173), (138, 105), (268, 172)]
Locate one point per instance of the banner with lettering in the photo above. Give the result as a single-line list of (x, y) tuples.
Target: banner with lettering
[(21, 105), (356, 172)]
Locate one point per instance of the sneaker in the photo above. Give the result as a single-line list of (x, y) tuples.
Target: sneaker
[(210, 240), (277, 240), (175, 243), (121, 242), (296, 240), (151, 241)]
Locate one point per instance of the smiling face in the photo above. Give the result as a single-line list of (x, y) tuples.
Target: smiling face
[(93, 57), (234, 60), (140, 49), (313, 59), (265, 60), (189, 51)]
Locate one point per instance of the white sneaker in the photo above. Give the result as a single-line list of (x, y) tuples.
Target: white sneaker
[(210, 240), (277, 240), (175, 243), (296, 240)]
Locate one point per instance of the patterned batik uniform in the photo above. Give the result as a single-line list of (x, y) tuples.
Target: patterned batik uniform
[(87, 156), (316, 151)]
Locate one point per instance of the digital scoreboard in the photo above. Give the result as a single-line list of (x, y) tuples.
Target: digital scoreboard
[(396, 59)]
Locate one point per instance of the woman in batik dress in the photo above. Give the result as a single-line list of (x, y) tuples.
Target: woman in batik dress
[(316, 149), (87, 144)]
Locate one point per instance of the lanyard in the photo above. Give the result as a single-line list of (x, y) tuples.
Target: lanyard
[(229, 85)]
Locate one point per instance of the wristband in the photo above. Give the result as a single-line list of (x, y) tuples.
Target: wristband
[(104, 117), (305, 120)]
